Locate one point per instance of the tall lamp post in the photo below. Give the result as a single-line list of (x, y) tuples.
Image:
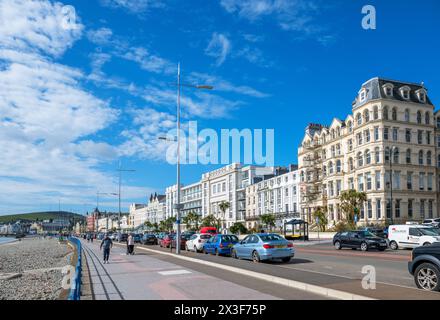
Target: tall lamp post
[(120, 170), (391, 155), (178, 205)]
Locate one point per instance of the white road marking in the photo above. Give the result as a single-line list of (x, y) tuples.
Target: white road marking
[(173, 272)]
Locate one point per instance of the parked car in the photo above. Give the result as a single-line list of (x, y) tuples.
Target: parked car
[(432, 222), (263, 246), (161, 235), (165, 242), (425, 267), (114, 236), (122, 237), (210, 230), (183, 239), (101, 236), (411, 236), (149, 238), (137, 238), (376, 231), (188, 233), (363, 240), (196, 241), (220, 244)]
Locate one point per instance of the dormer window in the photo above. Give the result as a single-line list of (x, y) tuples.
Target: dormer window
[(421, 95), (363, 95), (388, 89), (404, 92)]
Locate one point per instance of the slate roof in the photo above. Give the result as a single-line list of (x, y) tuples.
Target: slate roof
[(375, 91)]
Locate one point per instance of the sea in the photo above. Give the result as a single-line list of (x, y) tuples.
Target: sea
[(4, 240)]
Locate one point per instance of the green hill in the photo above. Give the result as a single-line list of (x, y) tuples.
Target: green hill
[(33, 216)]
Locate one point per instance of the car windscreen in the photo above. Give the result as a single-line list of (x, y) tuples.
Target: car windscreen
[(229, 238), (428, 232), (366, 234), (205, 236), (271, 237)]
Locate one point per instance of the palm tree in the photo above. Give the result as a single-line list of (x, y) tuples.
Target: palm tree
[(224, 205), (209, 221), (351, 202), (268, 220), (191, 218), (148, 225)]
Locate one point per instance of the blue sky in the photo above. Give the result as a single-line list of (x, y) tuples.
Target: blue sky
[(77, 101)]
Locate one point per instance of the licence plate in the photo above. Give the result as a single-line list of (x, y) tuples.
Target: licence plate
[(280, 246)]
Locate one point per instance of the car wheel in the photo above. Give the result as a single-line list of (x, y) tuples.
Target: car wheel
[(255, 257), (234, 254), (364, 246), (216, 252), (393, 245), (338, 245), (204, 251), (427, 244), (427, 277), (286, 259)]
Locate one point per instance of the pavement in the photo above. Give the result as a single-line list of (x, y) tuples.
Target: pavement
[(155, 276), (323, 266)]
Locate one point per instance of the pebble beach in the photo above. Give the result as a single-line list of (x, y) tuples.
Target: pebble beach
[(31, 269)]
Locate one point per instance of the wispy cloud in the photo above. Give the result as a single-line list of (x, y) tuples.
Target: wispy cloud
[(291, 15), (218, 47), (47, 118), (134, 6)]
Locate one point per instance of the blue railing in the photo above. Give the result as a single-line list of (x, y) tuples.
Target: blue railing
[(75, 289)]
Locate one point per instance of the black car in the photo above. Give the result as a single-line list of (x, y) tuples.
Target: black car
[(363, 240), (425, 267), (122, 237), (149, 238)]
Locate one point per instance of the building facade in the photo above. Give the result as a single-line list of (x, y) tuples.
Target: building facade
[(392, 128), (154, 211), (278, 195)]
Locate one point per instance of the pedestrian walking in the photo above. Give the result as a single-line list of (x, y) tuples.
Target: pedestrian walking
[(130, 244), (107, 243), (88, 237), (91, 238)]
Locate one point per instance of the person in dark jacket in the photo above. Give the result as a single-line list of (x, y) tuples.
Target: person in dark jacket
[(107, 243)]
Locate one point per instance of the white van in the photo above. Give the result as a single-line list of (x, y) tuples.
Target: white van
[(411, 236)]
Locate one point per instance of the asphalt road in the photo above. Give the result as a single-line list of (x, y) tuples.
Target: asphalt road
[(325, 266)]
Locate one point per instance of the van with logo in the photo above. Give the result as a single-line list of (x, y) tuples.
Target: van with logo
[(411, 236), (210, 230)]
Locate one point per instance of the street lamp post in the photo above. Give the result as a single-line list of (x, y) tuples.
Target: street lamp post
[(392, 151), (120, 178), (178, 206)]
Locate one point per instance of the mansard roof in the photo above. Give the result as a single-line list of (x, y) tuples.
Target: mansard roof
[(375, 89)]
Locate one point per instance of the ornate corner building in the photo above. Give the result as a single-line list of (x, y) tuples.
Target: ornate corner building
[(388, 147)]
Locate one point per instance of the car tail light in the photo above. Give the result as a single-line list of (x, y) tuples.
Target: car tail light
[(290, 245), (221, 245), (268, 246)]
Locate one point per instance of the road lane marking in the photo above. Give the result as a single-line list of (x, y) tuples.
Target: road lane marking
[(331, 293), (174, 272)]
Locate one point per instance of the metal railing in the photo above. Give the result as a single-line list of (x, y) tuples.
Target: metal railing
[(75, 289)]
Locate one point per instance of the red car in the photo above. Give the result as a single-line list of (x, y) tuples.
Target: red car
[(167, 240), (183, 239)]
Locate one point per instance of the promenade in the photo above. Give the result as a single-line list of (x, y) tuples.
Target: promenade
[(150, 276)]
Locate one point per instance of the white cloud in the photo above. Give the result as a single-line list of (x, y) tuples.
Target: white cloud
[(37, 26), (134, 6), (100, 36), (218, 47), (47, 118), (292, 15)]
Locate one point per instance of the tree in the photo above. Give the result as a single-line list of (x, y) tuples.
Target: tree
[(239, 228), (192, 219), (210, 220), (322, 216), (223, 206), (155, 227), (148, 224), (351, 202), (268, 220)]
